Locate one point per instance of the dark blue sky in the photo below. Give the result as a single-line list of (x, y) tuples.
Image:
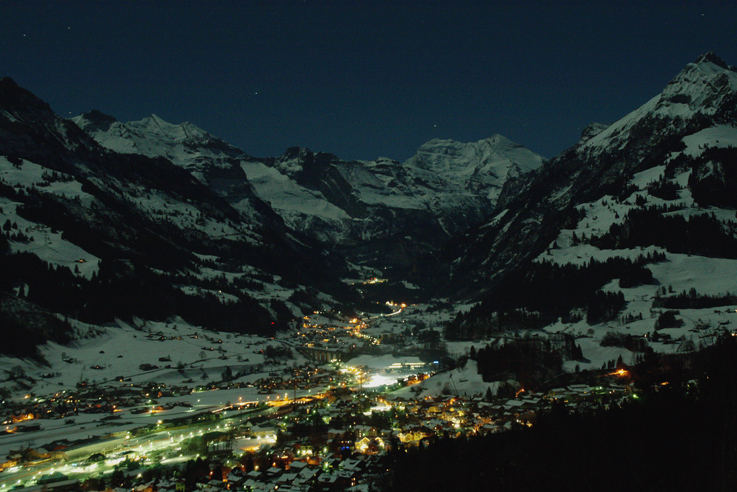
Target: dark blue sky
[(357, 78)]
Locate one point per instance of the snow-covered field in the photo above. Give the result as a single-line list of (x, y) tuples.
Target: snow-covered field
[(191, 353)]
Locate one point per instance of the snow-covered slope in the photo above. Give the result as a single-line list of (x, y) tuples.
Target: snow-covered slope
[(704, 88), (443, 177), (610, 222), (184, 144), (212, 161)]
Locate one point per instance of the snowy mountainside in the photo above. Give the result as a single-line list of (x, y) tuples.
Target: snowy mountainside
[(358, 207), (627, 240), (634, 221), (145, 136), (212, 161), (538, 204), (93, 234)]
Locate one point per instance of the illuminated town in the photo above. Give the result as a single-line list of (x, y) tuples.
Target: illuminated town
[(304, 419)]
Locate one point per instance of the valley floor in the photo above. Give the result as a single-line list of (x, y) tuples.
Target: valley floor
[(146, 395)]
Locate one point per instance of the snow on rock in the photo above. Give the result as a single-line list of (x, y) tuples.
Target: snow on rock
[(648, 176), (316, 193)]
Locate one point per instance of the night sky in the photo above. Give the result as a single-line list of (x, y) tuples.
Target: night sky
[(357, 78)]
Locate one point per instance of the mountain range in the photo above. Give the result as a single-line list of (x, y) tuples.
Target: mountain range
[(363, 209), (103, 219)]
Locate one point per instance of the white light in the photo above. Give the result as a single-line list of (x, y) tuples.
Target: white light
[(379, 380)]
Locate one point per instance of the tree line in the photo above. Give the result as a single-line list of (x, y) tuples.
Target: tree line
[(542, 292)]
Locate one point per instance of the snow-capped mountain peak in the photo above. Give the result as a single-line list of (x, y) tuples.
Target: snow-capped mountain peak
[(693, 115), (451, 155), (185, 144), (592, 130), (95, 119), (704, 88), (701, 85), (484, 164), (174, 132), (136, 136)]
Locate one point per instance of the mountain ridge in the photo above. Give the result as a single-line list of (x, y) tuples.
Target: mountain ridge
[(342, 203)]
